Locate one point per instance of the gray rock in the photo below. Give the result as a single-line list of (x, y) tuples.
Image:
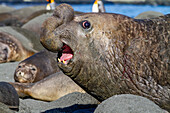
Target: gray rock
[(73, 101), (127, 103), (31, 106), (9, 96), (5, 109)]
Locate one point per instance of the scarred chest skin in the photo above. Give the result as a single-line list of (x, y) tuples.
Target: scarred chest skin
[(115, 55)]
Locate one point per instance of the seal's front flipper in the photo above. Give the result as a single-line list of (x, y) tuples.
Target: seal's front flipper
[(21, 88)]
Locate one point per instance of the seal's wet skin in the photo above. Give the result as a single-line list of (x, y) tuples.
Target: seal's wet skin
[(109, 54)]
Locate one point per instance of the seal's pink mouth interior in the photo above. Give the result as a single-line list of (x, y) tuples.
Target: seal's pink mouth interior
[(65, 54)]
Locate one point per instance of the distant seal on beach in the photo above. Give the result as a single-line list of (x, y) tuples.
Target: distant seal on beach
[(48, 89), (149, 15), (36, 67), (36, 23), (17, 44), (11, 49), (21, 16), (4, 9), (9, 96), (111, 54)]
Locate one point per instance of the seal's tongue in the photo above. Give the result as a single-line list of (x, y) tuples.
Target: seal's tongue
[(67, 54)]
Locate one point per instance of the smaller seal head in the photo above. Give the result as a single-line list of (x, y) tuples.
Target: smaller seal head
[(11, 49), (8, 48), (25, 73)]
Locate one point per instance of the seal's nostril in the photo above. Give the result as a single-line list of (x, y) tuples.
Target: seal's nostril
[(20, 74)]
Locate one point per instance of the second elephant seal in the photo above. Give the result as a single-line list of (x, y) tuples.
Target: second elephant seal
[(17, 44), (36, 67), (48, 89)]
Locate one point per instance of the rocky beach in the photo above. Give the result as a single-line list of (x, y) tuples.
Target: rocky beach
[(75, 102)]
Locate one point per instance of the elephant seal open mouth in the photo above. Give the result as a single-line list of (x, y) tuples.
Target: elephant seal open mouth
[(108, 54)]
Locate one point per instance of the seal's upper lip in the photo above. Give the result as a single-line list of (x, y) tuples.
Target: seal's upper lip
[(65, 54)]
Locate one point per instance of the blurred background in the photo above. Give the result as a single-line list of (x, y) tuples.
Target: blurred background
[(127, 7)]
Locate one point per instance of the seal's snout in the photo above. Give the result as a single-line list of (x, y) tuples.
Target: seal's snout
[(63, 14), (51, 45), (3, 57), (19, 76), (4, 52), (20, 73)]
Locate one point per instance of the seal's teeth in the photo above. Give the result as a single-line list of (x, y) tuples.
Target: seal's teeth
[(59, 60)]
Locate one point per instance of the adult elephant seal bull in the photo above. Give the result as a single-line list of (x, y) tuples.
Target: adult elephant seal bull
[(110, 54), (36, 67)]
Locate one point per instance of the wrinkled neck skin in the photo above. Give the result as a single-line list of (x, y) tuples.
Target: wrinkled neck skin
[(122, 56)]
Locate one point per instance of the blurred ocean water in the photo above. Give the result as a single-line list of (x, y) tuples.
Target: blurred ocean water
[(125, 9)]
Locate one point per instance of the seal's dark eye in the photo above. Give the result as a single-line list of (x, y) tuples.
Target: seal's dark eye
[(33, 69), (86, 24)]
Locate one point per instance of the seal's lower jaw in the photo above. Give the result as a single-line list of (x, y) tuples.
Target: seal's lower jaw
[(21, 80), (65, 55)]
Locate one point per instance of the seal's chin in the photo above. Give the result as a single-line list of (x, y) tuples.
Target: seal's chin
[(65, 55)]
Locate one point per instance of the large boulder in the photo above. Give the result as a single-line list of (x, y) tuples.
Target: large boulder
[(127, 103)]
